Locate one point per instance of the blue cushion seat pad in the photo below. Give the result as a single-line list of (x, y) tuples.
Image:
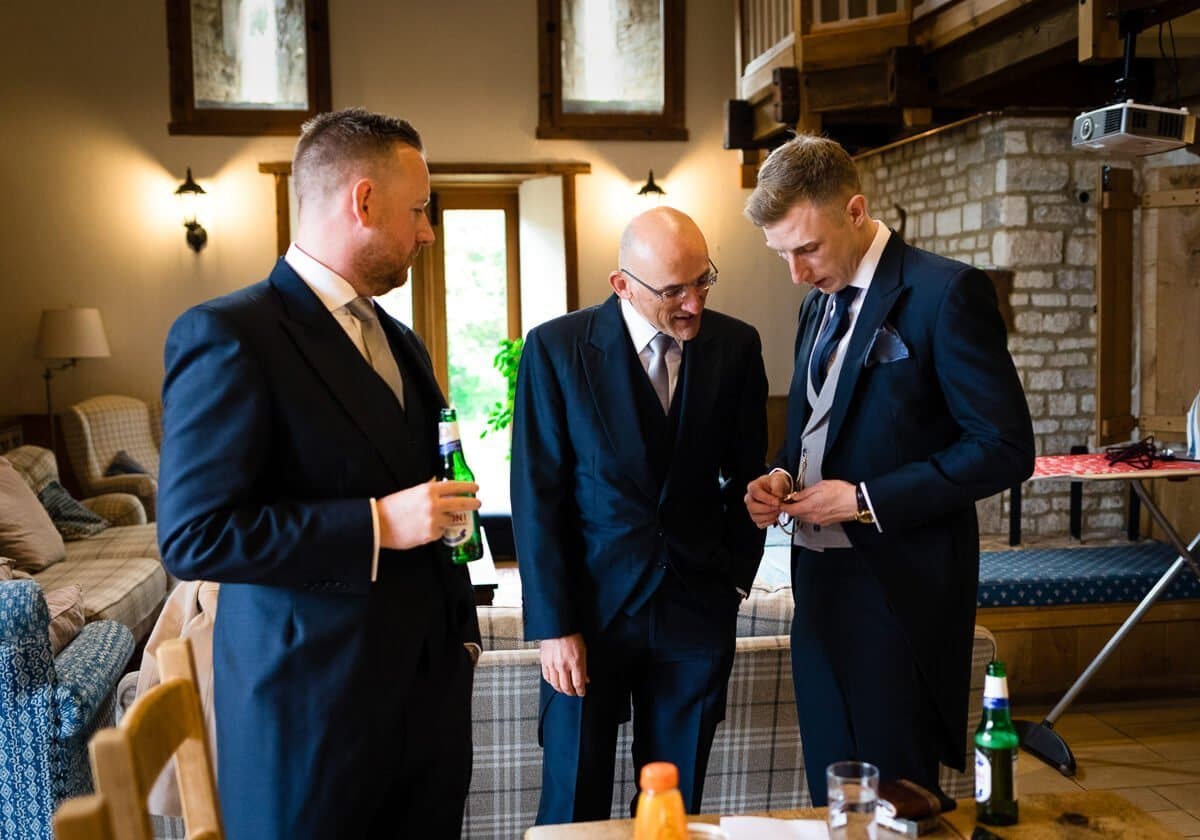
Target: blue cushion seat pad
[(1037, 577)]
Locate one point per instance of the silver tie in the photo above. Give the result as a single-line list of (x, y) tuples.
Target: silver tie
[(379, 352), (657, 369)]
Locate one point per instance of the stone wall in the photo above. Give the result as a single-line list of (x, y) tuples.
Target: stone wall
[(1009, 193)]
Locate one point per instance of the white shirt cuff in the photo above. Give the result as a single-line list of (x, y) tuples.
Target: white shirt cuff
[(871, 507), (375, 548)]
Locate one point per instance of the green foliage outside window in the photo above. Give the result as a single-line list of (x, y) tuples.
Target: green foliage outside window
[(507, 360)]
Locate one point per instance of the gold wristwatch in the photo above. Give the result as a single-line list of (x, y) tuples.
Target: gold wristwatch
[(864, 515)]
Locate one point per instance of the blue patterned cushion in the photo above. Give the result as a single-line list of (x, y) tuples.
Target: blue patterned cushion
[(73, 520), (125, 464), (1036, 577)]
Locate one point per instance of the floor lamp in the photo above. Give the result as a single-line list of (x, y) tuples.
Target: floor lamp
[(70, 334)]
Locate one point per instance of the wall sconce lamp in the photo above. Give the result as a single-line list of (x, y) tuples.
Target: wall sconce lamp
[(70, 334), (190, 195), (651, 190)]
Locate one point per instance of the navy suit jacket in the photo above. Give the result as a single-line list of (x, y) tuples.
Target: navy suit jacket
[(276, 433), (929, 434), (591, 521)]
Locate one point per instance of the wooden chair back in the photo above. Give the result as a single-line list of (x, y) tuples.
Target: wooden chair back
[(83, 818), (164, 723)]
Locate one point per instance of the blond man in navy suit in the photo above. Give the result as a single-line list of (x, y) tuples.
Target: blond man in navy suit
[(904, 409)]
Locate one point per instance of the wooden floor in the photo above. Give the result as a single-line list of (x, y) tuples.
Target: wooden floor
[(1147, 751)]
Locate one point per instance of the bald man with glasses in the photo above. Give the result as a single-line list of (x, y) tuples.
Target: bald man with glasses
[(636, 424)]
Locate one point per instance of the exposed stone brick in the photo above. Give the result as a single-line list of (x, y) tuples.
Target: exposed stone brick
[(1049, 300), (1033, 280), (1017, 248), (1045, 380), (972, 216), (1062, 405)]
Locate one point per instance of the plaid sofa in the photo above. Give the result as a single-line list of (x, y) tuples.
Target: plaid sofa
[(118, 569), (756, 762)]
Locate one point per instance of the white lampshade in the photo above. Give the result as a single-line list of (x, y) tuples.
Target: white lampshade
[(71, 334)]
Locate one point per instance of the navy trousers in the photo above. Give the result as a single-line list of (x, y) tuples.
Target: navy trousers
[(670, 661)]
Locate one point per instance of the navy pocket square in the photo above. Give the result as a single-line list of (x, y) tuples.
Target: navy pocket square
[(887, 346)]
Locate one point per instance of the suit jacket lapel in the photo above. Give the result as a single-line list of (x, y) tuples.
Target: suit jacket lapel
[(607, 352), (329, 351), (809, 321), (882, 295), (414, 361)]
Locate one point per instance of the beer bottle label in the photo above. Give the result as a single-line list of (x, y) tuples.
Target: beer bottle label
[(448, 436), (983, 776), (461, 531)]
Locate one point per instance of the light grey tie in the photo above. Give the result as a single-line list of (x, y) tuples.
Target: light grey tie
[(657, 370), (379, 352)]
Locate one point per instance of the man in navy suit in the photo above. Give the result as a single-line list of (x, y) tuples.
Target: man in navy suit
[(637, 423), (904, 409), (299, 444)]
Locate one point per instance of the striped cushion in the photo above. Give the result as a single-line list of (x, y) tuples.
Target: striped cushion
[(73, 520)]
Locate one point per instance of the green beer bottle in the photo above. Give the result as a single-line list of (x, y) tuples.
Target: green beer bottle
[(463, 538), (996, 747)]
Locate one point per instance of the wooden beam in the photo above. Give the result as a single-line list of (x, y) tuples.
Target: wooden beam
[(961, 20), (1036, 33), (1114, 306), (1172, 198), (1099, 32), (893, 80)]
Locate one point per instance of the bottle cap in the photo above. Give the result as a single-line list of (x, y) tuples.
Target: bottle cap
[(659, 776)]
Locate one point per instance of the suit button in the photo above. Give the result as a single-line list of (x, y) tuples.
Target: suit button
[(816, 528)]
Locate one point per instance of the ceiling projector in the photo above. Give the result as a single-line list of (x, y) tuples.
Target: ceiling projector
[(1129, 128)]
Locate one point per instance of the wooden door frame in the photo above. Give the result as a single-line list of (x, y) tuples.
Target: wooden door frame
[(428, 275)]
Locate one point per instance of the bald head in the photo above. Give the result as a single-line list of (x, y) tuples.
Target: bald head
[(663, 249), (662, 237)]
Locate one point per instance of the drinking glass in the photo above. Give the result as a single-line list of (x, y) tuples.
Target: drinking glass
[(853, 795)]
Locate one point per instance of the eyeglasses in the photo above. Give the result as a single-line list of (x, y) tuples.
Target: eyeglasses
[(675, 292)]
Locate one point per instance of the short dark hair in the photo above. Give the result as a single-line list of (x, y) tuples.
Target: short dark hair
[(331, 141), (806, 168)]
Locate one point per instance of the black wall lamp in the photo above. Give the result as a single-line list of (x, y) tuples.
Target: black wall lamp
[(651, 190), (191, 195)]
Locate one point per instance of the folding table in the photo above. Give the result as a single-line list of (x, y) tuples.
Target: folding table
[(1040, 739)]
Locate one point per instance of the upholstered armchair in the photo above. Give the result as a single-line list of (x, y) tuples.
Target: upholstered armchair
[(97, 429), (49, 707)]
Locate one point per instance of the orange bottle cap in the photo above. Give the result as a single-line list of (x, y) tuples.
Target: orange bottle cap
[(659, 776)]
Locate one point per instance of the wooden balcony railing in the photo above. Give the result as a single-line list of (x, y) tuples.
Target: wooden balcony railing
[(809, 34)]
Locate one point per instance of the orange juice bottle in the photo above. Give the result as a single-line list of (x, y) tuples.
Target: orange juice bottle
[(660, 807)]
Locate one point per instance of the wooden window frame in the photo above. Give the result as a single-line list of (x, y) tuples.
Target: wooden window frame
[(448, 173), (186, 118), (555, 124)]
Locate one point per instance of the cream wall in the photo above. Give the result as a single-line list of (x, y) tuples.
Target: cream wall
[(87, 169)]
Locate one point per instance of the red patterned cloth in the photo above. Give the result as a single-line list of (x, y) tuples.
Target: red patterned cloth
[(1095, 466)]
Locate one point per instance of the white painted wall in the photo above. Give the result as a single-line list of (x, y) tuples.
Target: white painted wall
[(543, 259), (87, 169)]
